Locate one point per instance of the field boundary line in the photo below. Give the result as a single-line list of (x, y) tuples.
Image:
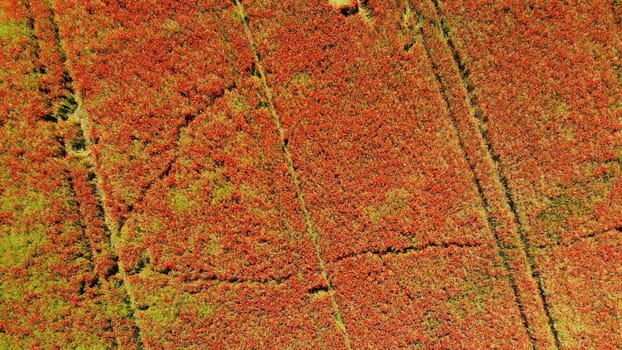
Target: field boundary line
[(409, 250), (501, 215), (480, 191), (580, 239), (98, 193), (311, 230), (482, 124)]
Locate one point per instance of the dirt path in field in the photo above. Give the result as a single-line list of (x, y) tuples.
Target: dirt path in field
[(490, 180), (311, 230), (307, 194), (77, 115)]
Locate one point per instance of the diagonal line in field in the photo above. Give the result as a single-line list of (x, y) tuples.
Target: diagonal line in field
[(98, 192), (188, 120), (489, 219), (311, 230), (499, 172)]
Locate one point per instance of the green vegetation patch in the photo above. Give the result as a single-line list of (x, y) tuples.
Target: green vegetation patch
[(395, 204)]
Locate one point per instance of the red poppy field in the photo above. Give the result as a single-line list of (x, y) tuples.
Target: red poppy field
[(335, 174)]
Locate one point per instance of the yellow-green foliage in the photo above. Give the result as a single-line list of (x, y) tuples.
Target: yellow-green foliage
[(396, 201), (340, 3)]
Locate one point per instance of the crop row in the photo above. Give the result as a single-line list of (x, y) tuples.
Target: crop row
[(269, 172), (553, 122), (52, 295), (453, 77), (434, 298), (144, 72), (379, 163), (381, 170), (219, 225), (545, 83), (213, 242)]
